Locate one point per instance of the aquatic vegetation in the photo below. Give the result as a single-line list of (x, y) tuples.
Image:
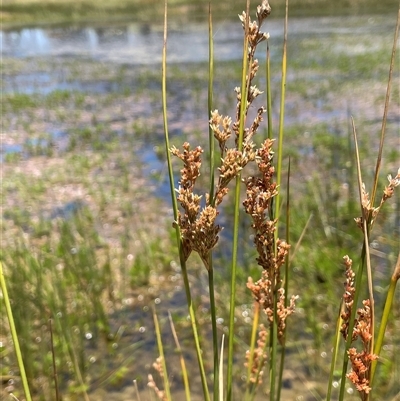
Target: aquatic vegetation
[(87, 238)]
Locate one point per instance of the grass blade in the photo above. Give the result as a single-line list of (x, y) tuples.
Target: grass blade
[(175, 211), (182, 360), (235, 239), (14, 334), (162, 357)]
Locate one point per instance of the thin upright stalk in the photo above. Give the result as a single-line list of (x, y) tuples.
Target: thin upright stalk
[(281, 115), (14, 335), (359, 274), (210, 99), (210, 270), (249, 394), (335, 354), (55, 375), (214, 328), (235, 240), (268, 91), (274, 327), (286, 284), (181, 359), (385, 316), (175, 211), (160, 346), (385, 110)]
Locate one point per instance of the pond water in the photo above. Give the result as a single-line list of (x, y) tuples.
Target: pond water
[(140, 44)]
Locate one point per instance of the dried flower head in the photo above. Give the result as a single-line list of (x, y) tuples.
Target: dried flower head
[(360, 362), (389, 189), (263, 11), (348, 296), (370, 211), (272, 252)]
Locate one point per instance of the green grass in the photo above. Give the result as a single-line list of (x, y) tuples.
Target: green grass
[(62, 11)]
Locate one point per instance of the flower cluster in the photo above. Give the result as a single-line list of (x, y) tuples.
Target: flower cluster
[(199, 231), (348, 296), (368, 209), (360, 361), (272, 253)]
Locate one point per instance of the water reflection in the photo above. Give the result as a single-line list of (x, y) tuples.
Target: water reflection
[(132, 43), (136, 43)]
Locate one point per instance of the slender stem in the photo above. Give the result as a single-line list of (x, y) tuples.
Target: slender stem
[(386, 109), (269, 96), (55, 375), (212, 183), (14, 336), (181, 358), (210, 99), (235, 239), (182, 259), (281, 115), (251, 351), (335, 354), (358, 276), (162, 357), (286, 284), (274, 328), (385, 316), (214, 328)]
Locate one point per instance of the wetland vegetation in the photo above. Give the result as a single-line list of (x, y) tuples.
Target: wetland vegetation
[(87, 244)]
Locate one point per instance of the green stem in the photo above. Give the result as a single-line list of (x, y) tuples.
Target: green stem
[(274, 328), (269, 95), (214, 328), (281, 116), (182, 259), (210, 100), (249, 386), (385, 317), (286, 285), (14, 335), (162, 357), (335, 354), (235, 239), (212, 183)]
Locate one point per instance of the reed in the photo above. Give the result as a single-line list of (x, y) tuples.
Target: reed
[(73, 282)]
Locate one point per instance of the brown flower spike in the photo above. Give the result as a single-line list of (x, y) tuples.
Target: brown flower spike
[(360, 361), (267, 291)]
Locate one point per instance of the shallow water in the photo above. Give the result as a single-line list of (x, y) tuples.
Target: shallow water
[(138, 44)]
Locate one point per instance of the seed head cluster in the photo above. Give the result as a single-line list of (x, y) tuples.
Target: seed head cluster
[(360, 360), (199, 231), (368, 209), (272, 253), (198, 227)]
